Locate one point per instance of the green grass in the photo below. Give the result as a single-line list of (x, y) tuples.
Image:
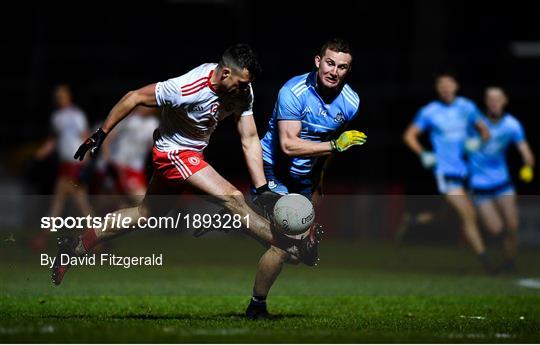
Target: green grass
[(300, 319), (362, 293)]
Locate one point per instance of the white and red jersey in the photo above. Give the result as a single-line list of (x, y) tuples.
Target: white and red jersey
[(70, 126), (191, 110), (133, 141)]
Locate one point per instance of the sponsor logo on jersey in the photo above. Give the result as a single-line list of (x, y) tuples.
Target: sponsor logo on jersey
[(198, 108)]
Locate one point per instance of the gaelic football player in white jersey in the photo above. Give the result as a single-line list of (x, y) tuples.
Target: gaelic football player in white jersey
[(69, 127), (192, 105), (127, 148)]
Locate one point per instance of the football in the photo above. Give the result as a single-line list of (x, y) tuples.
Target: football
[(293, 215)]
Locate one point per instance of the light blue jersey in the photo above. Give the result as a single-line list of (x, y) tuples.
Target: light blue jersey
[(488, 168), (298, 100), (449, 126)]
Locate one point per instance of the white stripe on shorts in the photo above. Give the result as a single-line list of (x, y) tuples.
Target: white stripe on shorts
[(179, 167)]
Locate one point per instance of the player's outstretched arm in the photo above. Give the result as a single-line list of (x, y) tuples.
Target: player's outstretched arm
[(410, 137), (482, 129), (348, 139), (46, 148), (251, 146), (143, 96), (526, 173), (293, 146)]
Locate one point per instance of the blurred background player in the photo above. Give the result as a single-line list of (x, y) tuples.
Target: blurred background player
[(192, 105), (69, 126), (127, 150), (449, 120), (310, 109), (490, 181)]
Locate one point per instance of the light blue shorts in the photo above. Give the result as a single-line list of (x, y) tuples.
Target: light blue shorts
[(447, 183), (481, 195)]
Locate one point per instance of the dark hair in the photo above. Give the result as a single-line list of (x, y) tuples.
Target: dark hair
[(62, 86), (240, 56), (337, 44), (445, 73)]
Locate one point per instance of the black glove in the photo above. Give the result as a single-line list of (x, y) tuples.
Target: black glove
[(265, 199), (93, 143)]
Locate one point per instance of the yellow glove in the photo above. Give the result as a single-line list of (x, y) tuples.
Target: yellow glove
[(348, 139), (526, 174)]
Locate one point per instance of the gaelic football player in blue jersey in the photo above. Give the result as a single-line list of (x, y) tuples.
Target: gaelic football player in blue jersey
[(490, 182), (449, 119), (310, 110)]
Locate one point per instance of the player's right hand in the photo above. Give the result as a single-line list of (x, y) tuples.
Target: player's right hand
[(265, 199), (473, 144), (526, 174), (93, 143), (428, 159), (348, 139)]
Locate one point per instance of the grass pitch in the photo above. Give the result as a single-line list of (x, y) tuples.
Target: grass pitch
[(362, 292)]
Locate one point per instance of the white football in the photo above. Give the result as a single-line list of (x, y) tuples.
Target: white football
[(294, 214)]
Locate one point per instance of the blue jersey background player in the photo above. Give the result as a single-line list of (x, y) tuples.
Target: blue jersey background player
[(310, 109), (450, 120), (448, 125), (490, 179)]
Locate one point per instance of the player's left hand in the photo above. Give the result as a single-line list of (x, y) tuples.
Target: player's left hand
[(93, 143), (428, 159), (526, 173), (348, 139)]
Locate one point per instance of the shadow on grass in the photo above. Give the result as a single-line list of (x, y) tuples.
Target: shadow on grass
[(216, 317)]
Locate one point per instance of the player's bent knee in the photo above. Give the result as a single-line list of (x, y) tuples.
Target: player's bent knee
[(237, 195), (495, 230), (234, 200)]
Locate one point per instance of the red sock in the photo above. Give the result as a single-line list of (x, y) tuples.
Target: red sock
[(89, 239)]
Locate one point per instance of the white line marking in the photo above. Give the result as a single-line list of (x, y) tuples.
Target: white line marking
[(473, 317), (530, 283)]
